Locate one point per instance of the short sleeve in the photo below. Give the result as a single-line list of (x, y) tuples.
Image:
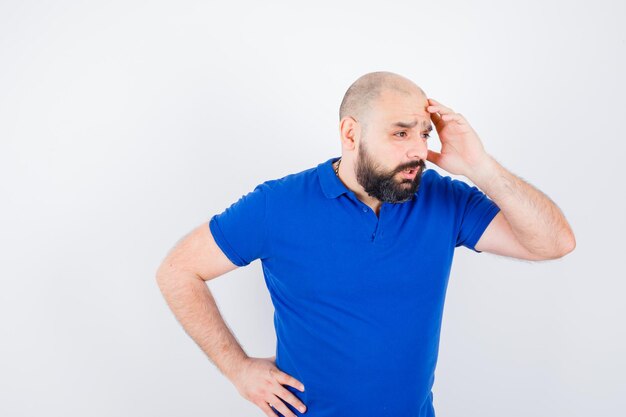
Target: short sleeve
[(241, 229), (474, 213)]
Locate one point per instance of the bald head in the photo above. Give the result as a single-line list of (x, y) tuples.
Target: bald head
[(360, 98)]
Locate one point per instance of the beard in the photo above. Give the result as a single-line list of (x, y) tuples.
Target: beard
[(383, 185)]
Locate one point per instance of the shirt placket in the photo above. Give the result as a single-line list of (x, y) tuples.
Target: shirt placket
[(373, 224)]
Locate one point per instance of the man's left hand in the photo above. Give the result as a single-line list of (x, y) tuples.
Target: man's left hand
[(462, 152)]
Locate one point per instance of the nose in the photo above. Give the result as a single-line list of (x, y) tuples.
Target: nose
[(418, 150)]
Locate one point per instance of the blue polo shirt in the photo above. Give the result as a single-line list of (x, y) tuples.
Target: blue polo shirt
[(358, 298)]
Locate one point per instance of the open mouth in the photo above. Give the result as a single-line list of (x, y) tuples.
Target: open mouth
[(410, 171)]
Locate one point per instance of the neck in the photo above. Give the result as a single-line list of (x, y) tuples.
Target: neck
[(348, 178)]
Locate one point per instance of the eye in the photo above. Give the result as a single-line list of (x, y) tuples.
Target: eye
[(427, 134)]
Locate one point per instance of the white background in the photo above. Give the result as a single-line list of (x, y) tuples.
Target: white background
[(123, 125)]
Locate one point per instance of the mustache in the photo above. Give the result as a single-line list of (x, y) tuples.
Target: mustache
[(419, 164)]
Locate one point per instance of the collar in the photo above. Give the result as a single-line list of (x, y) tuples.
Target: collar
[(331, 184)]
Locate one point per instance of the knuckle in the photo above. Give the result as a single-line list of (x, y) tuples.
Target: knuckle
[(275, 374), (267, 409), (263, 394)]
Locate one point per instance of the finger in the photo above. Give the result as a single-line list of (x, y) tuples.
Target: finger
[(436, 120), (267, 410), (434, 102), (440, 109), (280, 406), (287, 379), (457, 117), (433, 157), (287, 395)]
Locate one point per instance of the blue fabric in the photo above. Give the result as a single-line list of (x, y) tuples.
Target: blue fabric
[(358, 298)]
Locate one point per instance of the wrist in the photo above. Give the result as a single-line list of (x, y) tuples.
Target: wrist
[(238, 368), (483, 171)]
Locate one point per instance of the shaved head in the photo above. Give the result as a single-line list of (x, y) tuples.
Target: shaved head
[(360, 99)]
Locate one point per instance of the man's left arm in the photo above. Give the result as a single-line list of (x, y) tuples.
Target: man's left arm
[(529, 225)]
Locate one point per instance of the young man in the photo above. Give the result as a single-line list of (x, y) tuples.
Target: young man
[(356, 254)]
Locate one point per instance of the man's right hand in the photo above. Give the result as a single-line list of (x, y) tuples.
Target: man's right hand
[(261, 382)]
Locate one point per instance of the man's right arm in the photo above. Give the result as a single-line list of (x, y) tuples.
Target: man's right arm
[(182, 277)]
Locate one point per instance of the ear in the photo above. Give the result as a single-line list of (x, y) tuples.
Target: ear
[(349, 129)]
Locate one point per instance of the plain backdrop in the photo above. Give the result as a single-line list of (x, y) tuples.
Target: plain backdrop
[(123, 125)]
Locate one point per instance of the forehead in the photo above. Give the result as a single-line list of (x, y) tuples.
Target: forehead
[(393, 107)]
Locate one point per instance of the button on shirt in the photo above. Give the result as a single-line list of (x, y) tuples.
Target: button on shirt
[(358, 298)]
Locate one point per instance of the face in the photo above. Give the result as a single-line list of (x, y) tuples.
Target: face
[(391, 186), (387, 150)]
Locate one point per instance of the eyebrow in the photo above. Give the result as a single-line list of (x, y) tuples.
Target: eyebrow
[(410, 125)]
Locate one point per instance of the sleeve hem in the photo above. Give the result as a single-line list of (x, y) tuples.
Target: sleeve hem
[(266, 218), (221, 241), (480, 227)]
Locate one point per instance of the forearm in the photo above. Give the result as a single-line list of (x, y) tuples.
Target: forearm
[(536, 220), (192, 303)]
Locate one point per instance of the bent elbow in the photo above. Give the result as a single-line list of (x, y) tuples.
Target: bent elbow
[(571, 243), (566, 247)]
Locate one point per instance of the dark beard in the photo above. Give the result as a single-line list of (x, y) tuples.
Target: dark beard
[(384, 186)]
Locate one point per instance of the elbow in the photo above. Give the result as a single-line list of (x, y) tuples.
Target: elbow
[(570, 243), (160, 279), (567, 245), (164, 274), (169, 275), (160, 273), (563, 247)]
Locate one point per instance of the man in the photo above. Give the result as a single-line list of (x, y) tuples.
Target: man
[(356, 254)]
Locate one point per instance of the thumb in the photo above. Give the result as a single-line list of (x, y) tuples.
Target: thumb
[(434, 157)]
